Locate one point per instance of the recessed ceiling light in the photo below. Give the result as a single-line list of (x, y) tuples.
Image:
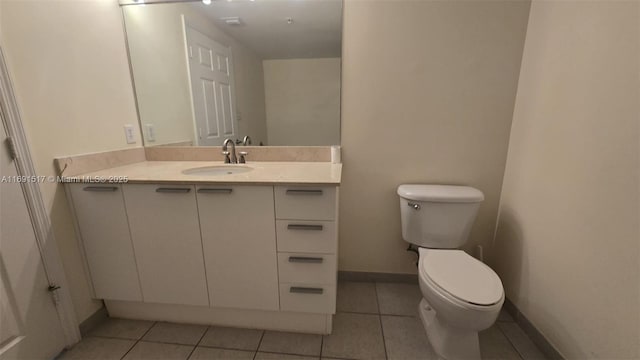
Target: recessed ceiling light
[(206, 2)]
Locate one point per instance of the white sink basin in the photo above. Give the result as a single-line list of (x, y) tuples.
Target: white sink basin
[(218, 170)]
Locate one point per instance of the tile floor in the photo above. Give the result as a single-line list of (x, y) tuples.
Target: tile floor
[(374, 321)]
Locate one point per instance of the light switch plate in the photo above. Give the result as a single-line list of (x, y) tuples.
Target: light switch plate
[(130, 134)]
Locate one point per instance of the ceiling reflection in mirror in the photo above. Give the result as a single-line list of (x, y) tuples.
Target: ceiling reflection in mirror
[(266, 69)]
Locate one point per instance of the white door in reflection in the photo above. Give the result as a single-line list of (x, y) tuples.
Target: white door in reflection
[(212, 88)]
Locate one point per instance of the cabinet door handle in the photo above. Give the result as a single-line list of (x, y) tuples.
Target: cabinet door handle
[(304, 192), (173, 190), (100, 188), (306, 259), (215, 191), (305, 290), (305, 227)]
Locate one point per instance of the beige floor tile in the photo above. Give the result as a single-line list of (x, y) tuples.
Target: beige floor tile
[(354, 336), (274, 356), (205, 353), (232, 338), (524, 346), (398, 299), (291, 343), (123, 328), (495, 346), (405, 338), (357, 297), (175, 333), (157, 351), (505, 316), (98, 348)]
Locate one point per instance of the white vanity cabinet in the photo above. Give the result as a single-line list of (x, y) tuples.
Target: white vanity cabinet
[(166, 237), (104, 230), (239, 242), (224, 254)]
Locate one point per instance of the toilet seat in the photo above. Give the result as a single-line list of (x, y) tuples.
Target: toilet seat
[(461, 276)]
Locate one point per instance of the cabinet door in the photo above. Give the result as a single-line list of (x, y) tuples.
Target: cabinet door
[(104, 230), (166, 239), (239, 241)]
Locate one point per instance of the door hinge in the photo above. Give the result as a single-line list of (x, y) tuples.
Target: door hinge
[(11, 145)]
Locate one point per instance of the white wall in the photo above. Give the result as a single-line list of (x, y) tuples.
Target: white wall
[(303, 101), (567, 240), (428, 90), (69, 67), (156, 45)]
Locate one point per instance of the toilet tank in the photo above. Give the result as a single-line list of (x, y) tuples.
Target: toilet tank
[(438, 216)]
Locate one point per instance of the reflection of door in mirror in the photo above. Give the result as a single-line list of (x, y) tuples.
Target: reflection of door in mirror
[(212, 88), (204, 72)]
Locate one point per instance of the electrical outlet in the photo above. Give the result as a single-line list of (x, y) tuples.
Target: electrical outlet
[(151, 132), (130, 134)]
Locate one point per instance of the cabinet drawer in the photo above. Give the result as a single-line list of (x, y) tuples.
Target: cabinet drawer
[(306, 236), (297, 297), (307, 268), (305, 203)]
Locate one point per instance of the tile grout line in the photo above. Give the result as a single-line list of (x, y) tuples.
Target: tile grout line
[(138, 340), (513, 345), (259, 343), (384, 341), (381, 314), (198, 343)]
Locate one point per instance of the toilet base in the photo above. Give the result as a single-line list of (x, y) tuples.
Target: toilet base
[(448, 342)]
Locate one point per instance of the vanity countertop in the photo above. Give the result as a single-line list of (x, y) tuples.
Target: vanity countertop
[(161, 172)]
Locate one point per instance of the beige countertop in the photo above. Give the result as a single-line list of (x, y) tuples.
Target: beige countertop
[(161, 172)]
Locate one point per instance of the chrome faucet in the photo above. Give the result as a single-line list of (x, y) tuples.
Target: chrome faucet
[(233, 159), (246, 141)]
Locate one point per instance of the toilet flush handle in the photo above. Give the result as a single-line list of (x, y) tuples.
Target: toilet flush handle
[(414, 205)]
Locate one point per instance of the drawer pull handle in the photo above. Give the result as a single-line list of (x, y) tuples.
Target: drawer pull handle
[(305, 259), (304, 192), (100, 188), (305, 227), (215, 191), (173, 190), (305, 290)]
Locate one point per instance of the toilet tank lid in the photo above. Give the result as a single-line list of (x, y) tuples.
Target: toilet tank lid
[(440, 193)]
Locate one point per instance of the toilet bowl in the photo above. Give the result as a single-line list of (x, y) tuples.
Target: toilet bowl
[(461, 296)]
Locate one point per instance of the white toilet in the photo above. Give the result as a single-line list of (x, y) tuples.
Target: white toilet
[(461, 295)]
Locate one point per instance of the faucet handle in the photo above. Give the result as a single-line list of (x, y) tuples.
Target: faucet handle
[(227, 160), (242, 157)]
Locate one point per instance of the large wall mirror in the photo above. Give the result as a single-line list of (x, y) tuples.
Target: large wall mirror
[(208, 70)]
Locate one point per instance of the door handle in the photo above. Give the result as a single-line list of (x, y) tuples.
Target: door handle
[(306, 259), (173, 190), (100, 188), (215, 191), (305, 290), (305, 227), (304, 192)]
